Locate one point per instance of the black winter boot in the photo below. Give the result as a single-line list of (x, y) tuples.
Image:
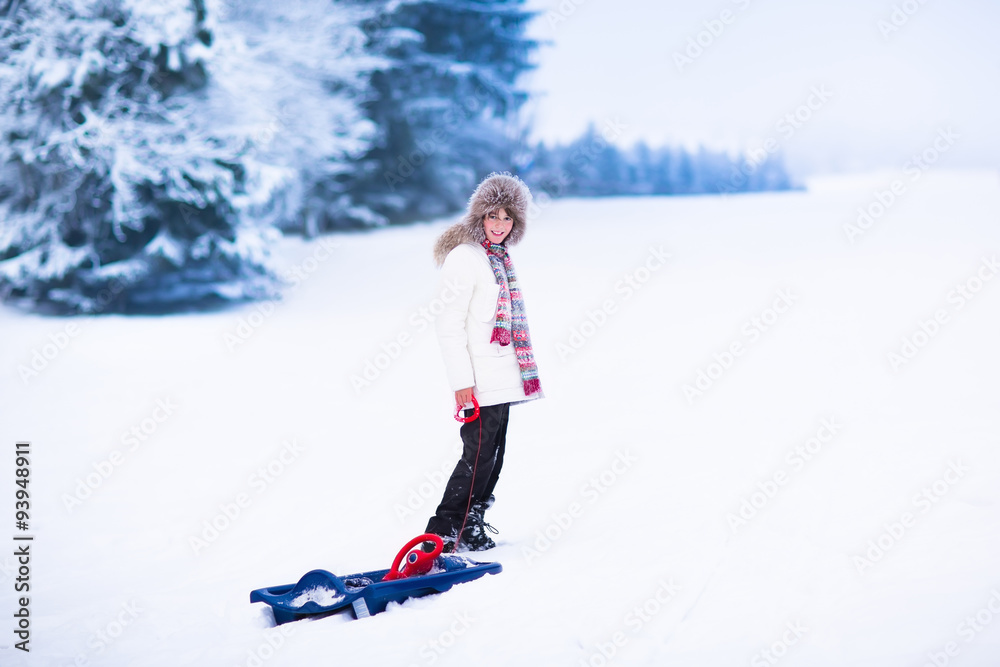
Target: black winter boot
[(449, 544), (477, 516), (474, 537)]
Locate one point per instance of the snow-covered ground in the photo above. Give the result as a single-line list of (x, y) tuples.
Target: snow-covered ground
[(729, 467)]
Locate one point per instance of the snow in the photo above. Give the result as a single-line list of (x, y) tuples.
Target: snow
[(324, 597), (618, 494)]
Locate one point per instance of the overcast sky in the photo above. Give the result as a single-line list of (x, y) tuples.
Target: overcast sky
[(879, 95)]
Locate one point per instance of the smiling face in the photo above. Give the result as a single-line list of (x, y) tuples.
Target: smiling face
[(497, 225)]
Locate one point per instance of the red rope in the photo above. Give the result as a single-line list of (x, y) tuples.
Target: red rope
[(472, 485)]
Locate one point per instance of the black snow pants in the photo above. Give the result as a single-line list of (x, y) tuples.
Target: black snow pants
[(492, 424)]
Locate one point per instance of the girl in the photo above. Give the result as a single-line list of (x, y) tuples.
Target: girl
[(483, 335)]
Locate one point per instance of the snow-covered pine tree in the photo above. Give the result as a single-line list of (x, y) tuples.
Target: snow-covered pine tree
[(115, 197), (446, 103), (301, 74), (760, 175), (580, 163), (589, 166)]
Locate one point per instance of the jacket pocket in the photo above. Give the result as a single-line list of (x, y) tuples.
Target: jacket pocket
[(483, 305)]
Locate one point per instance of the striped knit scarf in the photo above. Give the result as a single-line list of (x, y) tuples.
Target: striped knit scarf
[(512, 322)]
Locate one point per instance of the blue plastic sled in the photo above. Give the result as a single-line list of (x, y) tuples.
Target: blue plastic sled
[(321, 593)]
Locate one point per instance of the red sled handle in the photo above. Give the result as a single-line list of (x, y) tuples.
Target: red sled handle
[(418, 561), (475, 413)]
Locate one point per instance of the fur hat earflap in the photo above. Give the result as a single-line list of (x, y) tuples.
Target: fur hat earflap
[(498, 190)]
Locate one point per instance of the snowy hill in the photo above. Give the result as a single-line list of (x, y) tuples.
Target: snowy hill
[(776, 445)]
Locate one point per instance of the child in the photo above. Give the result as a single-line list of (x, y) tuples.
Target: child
[(483, 335)]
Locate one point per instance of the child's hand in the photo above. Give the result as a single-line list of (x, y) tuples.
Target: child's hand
[(463, 396)]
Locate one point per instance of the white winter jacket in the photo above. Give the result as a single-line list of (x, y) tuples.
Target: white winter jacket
[(469, 290)]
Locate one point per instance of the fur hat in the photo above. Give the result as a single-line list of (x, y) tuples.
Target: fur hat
[(498, 190)]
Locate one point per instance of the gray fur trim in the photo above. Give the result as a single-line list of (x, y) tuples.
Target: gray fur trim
[(498, 190)]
